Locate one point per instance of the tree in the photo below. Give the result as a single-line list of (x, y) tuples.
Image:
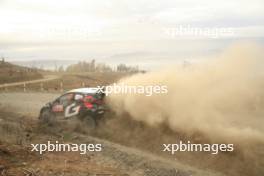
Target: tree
[(125, 68), (92, 66), (3, 59), (61, 69)]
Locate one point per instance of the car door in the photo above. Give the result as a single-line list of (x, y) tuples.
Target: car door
[(73, 108), (60, 105)]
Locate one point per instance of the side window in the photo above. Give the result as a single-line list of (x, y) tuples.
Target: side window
[(66, 99), (78, 97)]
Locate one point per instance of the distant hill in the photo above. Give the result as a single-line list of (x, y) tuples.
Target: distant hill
[(14, 73), (45, 64)]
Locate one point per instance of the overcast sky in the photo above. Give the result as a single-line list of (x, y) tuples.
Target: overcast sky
[(53, 29)]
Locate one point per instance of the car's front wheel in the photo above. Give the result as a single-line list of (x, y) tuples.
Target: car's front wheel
[(89, 122), (47, 117)]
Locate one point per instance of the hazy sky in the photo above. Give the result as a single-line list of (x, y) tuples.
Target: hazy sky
[(122, 29)]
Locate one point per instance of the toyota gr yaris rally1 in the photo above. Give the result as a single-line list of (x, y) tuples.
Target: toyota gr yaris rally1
[(86, 104)]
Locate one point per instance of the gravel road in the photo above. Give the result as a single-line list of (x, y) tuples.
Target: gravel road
[(131, 161)]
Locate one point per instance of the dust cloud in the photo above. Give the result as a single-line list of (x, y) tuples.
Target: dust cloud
[(220, 97)]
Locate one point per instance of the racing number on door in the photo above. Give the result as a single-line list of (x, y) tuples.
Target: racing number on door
[(72, 110)]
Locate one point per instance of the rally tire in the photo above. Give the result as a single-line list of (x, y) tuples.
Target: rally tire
[(47, 117), (89, 123)]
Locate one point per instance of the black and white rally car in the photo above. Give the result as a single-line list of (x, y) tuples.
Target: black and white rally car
[(86, 104)]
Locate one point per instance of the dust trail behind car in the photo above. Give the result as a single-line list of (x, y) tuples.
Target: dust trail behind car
[(220, 99), (223, 98)]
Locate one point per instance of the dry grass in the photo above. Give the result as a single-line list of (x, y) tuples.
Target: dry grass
[(13, 73)]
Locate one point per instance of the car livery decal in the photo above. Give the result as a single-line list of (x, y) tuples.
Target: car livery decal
[(72, 110), (57, 108)]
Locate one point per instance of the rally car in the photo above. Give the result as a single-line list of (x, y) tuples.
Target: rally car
[(85, 104)]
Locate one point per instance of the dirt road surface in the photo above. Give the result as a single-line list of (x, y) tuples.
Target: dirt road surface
[(27, 103), (127, 160)]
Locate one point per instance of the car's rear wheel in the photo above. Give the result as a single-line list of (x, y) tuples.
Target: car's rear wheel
[(47, 117), (89, 122)]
